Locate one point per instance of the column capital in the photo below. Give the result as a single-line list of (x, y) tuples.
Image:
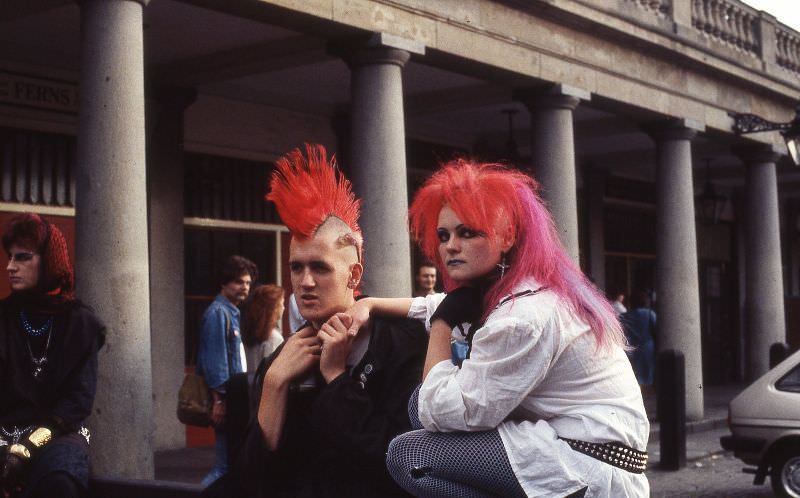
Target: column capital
[(377, 48), (674, 129), (752, 154), (554, 96)]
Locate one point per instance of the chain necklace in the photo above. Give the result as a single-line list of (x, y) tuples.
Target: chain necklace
[(30, 329), (14, 434), (38, 362)]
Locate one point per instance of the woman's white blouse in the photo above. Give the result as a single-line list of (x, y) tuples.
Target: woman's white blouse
[(535, 374)]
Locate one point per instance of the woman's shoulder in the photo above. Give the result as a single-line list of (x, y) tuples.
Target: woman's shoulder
[(84, 319), (528, 301)]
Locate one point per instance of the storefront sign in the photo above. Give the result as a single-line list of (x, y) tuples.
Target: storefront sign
[(40, 93)]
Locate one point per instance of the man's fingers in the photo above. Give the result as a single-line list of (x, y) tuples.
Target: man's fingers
[(305, 332), (335, 322)]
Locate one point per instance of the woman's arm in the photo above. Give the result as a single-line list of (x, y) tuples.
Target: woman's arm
[(383, 306), (438, 346)]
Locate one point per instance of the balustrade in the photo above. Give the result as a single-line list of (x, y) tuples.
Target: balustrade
[(731, 23), (788, 49), (658, 7), (727, 22)]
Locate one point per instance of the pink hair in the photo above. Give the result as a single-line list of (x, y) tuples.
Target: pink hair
[(483, 195)]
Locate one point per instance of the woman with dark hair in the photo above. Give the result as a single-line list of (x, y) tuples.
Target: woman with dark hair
[(262, 313), (526, 389), (48, 366)]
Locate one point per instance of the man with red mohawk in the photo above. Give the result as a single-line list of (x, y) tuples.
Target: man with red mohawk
[(328, 403)]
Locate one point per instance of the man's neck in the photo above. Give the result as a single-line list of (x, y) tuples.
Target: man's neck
[(233, 303), (342, 309)]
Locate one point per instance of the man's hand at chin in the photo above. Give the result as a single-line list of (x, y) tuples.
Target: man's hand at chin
[(336, 344), (300, 354)]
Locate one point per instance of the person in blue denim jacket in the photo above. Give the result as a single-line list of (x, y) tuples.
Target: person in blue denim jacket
[(221, 352)]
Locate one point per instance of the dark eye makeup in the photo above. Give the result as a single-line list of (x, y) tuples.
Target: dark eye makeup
[(462, 231)]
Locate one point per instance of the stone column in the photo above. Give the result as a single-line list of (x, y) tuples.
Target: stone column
[(111, 227), (677, 283), (553, 155), (763, 270), (595, 188), (378, 160), (166, 210)]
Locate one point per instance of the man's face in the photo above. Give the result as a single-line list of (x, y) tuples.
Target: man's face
[(322, 279), (237, 289), (23, 268), (426, 279)]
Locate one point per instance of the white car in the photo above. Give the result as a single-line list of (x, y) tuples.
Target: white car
[(765, 424)]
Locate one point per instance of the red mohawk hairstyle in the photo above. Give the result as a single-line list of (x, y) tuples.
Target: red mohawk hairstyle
[(309, 189)]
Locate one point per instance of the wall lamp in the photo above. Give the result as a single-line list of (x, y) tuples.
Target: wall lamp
[(750, 123)]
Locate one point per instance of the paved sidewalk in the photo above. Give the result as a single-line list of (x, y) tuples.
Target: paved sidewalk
[(715, 416), (189, 465)]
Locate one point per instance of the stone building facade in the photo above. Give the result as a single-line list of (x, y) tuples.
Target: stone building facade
[(149, 128)]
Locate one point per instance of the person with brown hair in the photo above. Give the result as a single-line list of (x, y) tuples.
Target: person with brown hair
[(48, 366), (220, 353), (262, 312), (425, 279)]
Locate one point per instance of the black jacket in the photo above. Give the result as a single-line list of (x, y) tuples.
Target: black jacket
[(63, 398), (335, 437)]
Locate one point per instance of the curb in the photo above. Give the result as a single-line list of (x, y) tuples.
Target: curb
[(692, 427)]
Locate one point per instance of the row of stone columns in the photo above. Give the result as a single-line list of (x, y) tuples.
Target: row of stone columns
[(117, 271)]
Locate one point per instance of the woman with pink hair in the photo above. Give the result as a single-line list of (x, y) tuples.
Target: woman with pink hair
[(526, 389)]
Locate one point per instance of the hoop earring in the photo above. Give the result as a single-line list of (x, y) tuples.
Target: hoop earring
[(502, 266)]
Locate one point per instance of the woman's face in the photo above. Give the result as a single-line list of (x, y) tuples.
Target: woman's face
[(467, 254), (23, 268)]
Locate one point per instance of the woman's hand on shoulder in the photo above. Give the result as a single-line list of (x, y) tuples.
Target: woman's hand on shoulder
[(357, 316)]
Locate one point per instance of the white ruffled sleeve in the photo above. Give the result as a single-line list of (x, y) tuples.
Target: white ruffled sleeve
[(423, 307), (509, 358)]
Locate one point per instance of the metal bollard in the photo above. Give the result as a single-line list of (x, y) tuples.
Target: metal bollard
[(671, 409), (777, 353)]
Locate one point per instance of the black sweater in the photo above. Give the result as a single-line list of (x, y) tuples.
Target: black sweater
[(335, 437), (63, 398)]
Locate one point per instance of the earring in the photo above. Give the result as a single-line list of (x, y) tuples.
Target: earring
[(502, 266)]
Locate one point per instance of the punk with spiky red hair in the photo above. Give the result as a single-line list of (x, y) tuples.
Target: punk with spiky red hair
[(328, 399)]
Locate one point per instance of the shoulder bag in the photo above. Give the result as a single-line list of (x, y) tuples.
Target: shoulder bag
[(194, 397)]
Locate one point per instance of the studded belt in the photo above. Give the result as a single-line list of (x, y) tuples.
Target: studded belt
[(616, 454)]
